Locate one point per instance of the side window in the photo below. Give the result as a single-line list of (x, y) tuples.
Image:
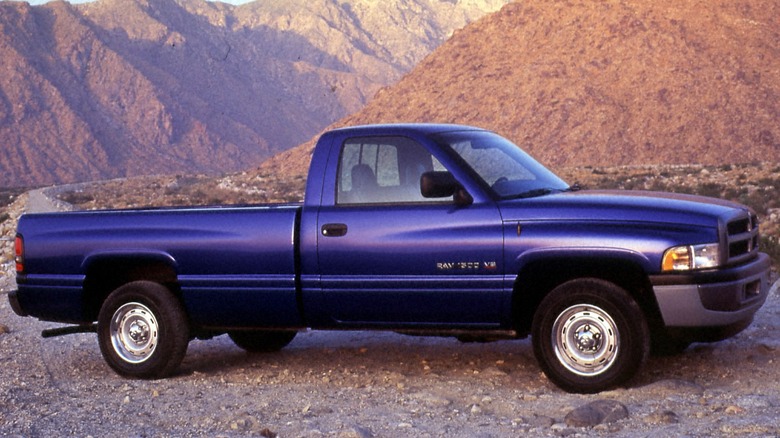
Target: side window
[(381, 170)]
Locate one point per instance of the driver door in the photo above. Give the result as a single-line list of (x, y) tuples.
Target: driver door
[(388, 256)]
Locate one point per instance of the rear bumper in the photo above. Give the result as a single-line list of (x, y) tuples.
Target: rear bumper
[(722, 298), (13, 299)]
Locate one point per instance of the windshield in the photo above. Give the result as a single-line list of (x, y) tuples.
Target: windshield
[(505, 168)]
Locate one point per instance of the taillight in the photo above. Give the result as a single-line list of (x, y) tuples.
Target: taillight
[(19, 253)]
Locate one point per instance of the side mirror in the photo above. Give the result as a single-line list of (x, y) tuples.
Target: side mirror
[(443, 184)]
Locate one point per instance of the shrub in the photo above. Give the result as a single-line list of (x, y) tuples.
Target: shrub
[(771, 246), (76, 198)]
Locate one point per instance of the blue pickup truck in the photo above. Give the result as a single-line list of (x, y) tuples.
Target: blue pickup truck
[(419, 228)]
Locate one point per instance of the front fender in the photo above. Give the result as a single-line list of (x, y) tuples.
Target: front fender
[(573, 255), (541, 270)]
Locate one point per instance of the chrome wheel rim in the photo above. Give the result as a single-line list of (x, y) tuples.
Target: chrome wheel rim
[(585, 339), (134, 332)]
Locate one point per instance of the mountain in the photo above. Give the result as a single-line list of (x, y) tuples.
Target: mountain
[(602, 83), (130, 87)]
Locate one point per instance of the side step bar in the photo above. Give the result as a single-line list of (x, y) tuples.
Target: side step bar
[(69, 330)]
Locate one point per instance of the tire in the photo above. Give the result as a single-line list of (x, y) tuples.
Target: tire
[(590, 335), (143, 331), (262, 341)]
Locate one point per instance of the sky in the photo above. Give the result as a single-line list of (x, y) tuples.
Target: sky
[(40, 2)]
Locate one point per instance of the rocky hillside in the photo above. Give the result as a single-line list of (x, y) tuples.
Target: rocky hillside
[(129, 87), (615, 82)]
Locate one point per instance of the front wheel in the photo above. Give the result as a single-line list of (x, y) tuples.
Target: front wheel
[(590, 335), (143, 330)]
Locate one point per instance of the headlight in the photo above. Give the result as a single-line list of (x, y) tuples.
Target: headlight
[(688, 257)]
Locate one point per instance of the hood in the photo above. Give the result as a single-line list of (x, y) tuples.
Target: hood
[(623, 206)]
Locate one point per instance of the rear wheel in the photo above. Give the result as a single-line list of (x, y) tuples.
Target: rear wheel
[(262, 341), (589, 335), (143, 330)]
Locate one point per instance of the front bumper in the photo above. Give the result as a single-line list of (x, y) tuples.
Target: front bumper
[(13, 299), (717, 298)]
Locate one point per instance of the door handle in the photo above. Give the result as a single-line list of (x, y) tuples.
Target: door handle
[(334, 230)]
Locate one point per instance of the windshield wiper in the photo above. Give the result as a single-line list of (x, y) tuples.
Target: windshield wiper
[(531, 193)]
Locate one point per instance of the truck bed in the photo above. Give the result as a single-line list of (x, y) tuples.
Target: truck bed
[(230, 262)]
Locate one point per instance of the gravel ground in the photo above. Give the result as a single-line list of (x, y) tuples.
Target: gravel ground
[(362, 384), (376, 384)]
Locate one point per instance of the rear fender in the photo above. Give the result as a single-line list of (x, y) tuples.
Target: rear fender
[(105, 271), (128, 255)]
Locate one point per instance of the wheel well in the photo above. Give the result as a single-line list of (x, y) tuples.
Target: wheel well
[(537, 279), (105, 276)]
